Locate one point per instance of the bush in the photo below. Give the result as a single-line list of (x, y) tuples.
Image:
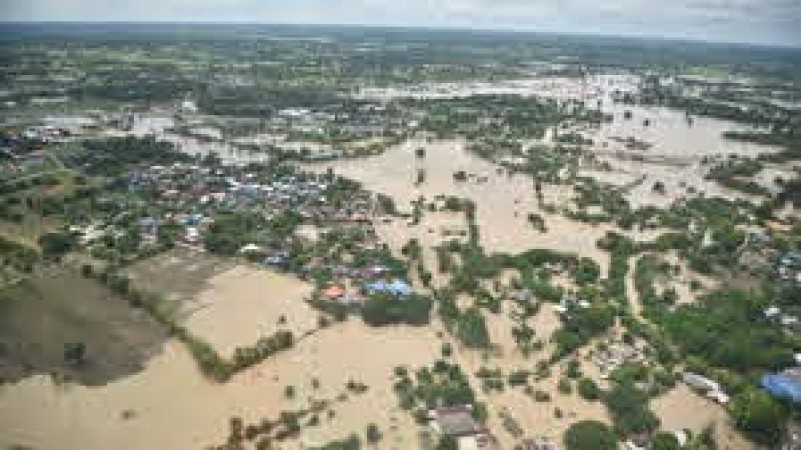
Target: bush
[(541, 396), (57, 243), (759, 416), (573, 369), (472, 330), (665, 441), (351, 443), (629, 408), (385, 309), (447, 350), (373, 434), (564, 386), (289, 392), (590, 435), (87, 270), (588, 390)]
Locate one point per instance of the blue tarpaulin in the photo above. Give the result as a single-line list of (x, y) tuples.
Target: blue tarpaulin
[(783, 386), (397, 287)]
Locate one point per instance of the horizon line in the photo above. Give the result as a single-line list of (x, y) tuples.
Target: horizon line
[(436, 28)]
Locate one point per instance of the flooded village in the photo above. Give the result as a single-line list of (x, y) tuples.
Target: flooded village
[(461, 264)]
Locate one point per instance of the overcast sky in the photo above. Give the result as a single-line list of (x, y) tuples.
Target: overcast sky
[(756, 21)]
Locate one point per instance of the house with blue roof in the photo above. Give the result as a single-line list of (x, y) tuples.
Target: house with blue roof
[(397, 287)]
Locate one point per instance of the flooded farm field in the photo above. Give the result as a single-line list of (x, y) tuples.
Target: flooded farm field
[(43, 316), (233, 306), (503, 201), (257, 301), (133, 413), (228, 304), (670, 134)]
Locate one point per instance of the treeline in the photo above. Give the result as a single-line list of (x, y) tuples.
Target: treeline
[(385, 309), (654, 95), (468, 326), (580, 325), (208, 360), (265, 101), (114, 156), (731, 174)]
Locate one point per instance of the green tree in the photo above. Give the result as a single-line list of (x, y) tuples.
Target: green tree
[(372, 433), (564, 386), (447, 349), (590, 435), (57, 243), (629, 407), (351, 443), (758, 415), (75, 353), (665, 441), (169, 232), (289, 392), (447, 443), (472, 329), (588, 390)]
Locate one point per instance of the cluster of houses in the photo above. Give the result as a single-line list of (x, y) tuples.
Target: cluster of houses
[(368, 281), (756, 252), (788, 267), (616, 354), (570, 302), (194, 193), (362, 122), (18, 155)]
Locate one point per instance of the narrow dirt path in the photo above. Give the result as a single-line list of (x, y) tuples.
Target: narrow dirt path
[(631, 290)]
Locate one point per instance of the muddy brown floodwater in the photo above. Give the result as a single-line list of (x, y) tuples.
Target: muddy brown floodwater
[(503, 201), (681, 408), (170, 405)]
